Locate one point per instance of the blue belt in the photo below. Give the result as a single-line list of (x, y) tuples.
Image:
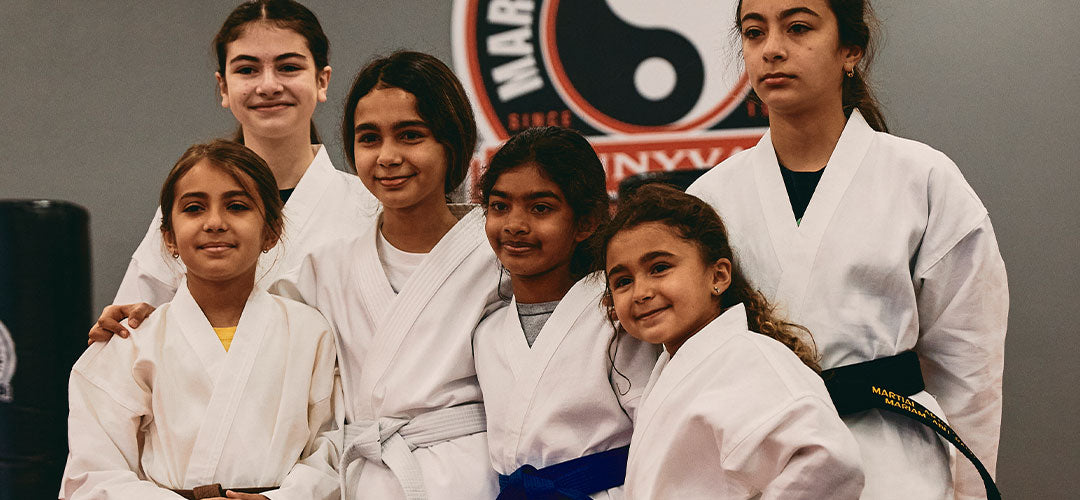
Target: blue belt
[(574, 479)]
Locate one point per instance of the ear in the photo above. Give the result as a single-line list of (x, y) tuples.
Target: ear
[(170, 241), (322, 81), (852, 56), (585, 228), (269, 239), (721, 276), (223, 89)]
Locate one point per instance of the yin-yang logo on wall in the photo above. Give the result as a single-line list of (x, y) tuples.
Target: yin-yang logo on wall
[(654, 85)]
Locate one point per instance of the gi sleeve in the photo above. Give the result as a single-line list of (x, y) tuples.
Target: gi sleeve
[(963, 303), (103, 434), (803, 451)]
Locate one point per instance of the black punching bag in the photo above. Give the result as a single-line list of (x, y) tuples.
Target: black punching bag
[(44, 316)]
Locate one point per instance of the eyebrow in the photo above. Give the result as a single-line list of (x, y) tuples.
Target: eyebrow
[(535, 195), (203, 196), (282, 57), (397, 126), (754, 16), (644, 258)]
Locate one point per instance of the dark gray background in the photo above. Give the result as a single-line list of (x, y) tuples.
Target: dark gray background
[(101, 97)]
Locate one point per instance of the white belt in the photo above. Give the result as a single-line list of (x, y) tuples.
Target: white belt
[(391, 441)]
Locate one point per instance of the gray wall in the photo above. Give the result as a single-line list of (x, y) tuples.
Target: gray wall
[(100, 97)]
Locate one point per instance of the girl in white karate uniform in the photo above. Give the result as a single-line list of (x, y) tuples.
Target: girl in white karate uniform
[(273, 69), (406, 294), (734, 408), (559, 390), (875, 243), (225, 387)]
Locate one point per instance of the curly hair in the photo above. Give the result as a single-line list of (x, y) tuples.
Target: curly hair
[(697, 222)]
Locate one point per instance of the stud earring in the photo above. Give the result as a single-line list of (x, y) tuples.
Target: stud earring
[(716, 290), (851, 73)]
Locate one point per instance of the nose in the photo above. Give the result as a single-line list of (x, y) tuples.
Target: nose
[(643, 291), (516, 222), (774, 48), (214, 222), (389, 154), (269, 84)]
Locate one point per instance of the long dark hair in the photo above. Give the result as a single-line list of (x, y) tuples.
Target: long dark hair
[(567, 159), (284, 14), (440, 101), (697, 222), (858, 27)]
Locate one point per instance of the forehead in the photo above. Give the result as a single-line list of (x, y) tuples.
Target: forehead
[(525, 179), (264, 40), (387, 105), (770, 8), (628, 245), (207, 177)]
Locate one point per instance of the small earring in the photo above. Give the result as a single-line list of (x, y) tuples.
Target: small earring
[(851, 73), (716, 290), (176, 255), (266, 250)]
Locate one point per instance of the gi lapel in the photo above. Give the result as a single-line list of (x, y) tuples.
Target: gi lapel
[(414, 297), (537, 360), (297, 213), (666, 379), (797, 246), (229, 382)]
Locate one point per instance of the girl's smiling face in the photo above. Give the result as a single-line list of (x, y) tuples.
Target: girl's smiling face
[(531, 227), (218, 228), (396, 154), (271, 84), (793, 54), (662, 289)]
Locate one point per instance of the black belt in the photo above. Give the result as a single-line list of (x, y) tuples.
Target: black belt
[(885, 384)]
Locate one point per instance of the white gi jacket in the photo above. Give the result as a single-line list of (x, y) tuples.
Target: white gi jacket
[(325, 205), (554, 402), (895, 252), (736, 415), (407, 354), (170, 408)]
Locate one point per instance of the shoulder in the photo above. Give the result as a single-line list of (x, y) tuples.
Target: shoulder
[(736, 166)]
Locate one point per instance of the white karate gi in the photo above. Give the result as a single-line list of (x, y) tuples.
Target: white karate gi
[(170, 408), (408, 354), (895, 252), (554, 402), (325, 205), (736, 415)]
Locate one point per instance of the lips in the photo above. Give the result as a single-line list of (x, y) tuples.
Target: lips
[(271, 106), (394, 181), (776, 78), (652, 313), (216, 247), (515, 247)]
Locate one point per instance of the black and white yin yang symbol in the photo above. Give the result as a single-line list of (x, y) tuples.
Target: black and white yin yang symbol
[(7, 364), (629, 66), (654, 85)]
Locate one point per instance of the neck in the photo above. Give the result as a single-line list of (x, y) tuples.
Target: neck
[(804, 142), (417, 229), (548, 286), (288, 157), (222, 301)]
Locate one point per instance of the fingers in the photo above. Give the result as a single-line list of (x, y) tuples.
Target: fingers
[(136, 313), (244, 496), (104, 329)]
